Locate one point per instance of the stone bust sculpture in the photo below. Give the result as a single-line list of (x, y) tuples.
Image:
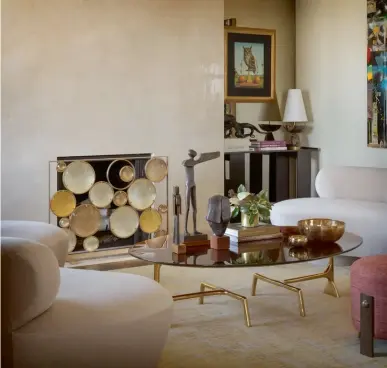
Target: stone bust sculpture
[(218, 215)]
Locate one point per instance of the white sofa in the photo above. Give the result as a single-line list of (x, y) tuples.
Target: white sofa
[(356, 195), (60, 317)]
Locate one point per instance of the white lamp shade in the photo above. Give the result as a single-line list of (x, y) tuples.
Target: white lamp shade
[(294, 108)]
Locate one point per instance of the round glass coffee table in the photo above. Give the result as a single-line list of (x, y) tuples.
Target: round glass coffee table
[(252, 254)]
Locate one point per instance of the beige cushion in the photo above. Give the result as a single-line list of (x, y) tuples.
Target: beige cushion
[(30, 280), (52, 236)]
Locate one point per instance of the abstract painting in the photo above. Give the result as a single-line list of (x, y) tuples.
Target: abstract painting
[(249, 64), (377, 74)]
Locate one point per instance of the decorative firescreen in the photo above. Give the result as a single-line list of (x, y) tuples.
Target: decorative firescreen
[(109, 202)]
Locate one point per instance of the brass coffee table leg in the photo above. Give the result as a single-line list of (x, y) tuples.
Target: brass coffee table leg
[(258, 276), (328, 274), (156, 272)]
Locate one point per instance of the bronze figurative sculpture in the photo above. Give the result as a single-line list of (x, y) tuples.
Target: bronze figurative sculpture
[(190, 195), (219, 214), (176, 214), (231, 125)]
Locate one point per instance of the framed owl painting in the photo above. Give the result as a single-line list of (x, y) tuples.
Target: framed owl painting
[(249, 64)]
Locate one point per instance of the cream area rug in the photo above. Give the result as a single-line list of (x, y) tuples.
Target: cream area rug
[(214, 334)]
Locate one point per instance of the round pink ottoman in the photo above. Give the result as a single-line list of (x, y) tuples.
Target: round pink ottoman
[(369, 276)]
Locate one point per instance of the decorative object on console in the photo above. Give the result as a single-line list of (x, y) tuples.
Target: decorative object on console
[(262, 146), (269, 112), (249, 64), (376, 86), (218, 217), (233, 128), (322, 230), (94, 208), (294, 113), (253, 207), (190, 197)]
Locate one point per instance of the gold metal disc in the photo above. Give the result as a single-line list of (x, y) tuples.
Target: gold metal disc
[(156, 169), (120, 198), (91, 243), (127, 173), (78, 177), (63, 203), (141, 194), (101, 194), (61, 166), (124, 222), (64, 222), (163, 208), (72, 240), (118, 168), (150, 221), (85, 220)]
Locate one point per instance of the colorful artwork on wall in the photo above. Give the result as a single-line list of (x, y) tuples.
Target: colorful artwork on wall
[(377, 74)]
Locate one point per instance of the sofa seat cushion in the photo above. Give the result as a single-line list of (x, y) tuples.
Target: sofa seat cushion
[(52, 236), (95, 312), (367, 219)]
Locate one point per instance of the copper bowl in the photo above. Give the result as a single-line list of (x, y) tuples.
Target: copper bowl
[(323, 230)]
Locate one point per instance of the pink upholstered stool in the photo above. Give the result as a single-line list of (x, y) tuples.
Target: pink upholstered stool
[(369, 300)]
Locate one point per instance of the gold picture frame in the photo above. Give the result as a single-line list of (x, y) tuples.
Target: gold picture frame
[(249, 64)]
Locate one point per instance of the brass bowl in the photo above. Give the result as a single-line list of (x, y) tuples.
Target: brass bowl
[(323, 230), (295, 240)]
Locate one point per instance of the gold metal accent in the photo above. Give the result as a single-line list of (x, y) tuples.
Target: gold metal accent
[(64, 222), (214, 290), (101, 194), (245, 221), (320, 229), (126, 184), (72, 240), (163, 208), (124, 222), (156, 169), (78, 177), (91, 243), (85, 220), (328, 274), (297, 240), (127, 173), (120, 198), (141, 194), (150, 221), (63, 203), (258, 276), (61, 166)]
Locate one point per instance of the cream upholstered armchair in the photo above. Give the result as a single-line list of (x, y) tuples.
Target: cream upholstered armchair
[(60, 317)]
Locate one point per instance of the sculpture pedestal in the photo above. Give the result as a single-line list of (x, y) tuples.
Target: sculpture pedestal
[(220, 242), (179, 249), (222, 255), (194, 238)]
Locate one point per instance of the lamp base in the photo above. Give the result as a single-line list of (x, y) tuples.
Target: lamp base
[(294, 130)]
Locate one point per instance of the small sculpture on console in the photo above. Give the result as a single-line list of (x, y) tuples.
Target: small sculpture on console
[(218, 217), (190, 195)]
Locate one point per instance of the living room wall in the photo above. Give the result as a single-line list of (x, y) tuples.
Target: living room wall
[(108, 77), (331, 39)]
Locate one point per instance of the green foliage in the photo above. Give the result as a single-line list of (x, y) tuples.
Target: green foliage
[(251, 204)]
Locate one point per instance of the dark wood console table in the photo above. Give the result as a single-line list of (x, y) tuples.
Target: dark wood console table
[(290, 172)]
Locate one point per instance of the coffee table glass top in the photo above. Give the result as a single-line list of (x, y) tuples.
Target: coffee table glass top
[(251, 254)]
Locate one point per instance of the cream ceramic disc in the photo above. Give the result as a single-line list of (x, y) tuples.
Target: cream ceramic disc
[(156, 169), (72, 240), (61, 166), (78, 177), (127, 174), (141, 194), (85, 220), (91, 243), (120, 198), (124, 222), (63, 203), (64, 222), (101, 194), (150, 221)]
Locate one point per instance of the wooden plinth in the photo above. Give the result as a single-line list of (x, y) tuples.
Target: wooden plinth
[(220, 242), (220, 255), (179, 249)]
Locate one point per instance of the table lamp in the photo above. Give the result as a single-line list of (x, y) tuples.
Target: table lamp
[(294, 115), (269, 112)]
